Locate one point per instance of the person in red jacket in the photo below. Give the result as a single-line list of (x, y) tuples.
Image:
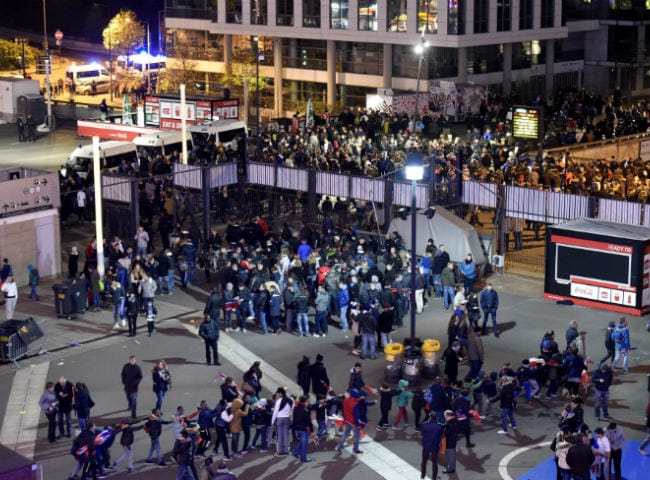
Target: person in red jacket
[(352, 422)]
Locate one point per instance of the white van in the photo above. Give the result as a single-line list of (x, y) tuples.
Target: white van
[(111, 154), (161, 143), (220, 132), (84, 75)]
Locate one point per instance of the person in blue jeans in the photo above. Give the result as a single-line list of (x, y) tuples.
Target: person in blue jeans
[(301, 423), (489, 302), (189, 251), (448, 280), (506, 398), (321, 305), (621, 337), (352, 421)]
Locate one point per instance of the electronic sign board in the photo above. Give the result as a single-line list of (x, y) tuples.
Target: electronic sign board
[(526, 122)]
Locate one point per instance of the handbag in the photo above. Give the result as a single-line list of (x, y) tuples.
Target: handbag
[(247, 387), (442, 449)]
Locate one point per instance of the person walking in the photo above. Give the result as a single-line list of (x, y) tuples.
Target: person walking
[(610, 345), (475, 354), (621, 337), (162, 382), (602, 379), (126, 441), (352, 422), (571, 332), (451, 436), (10, 292), (33, 282), (489, 304), (304, 428), (182, 453), (431, 433), (49, 405), (131, 378), (131, 308), (506, 398)]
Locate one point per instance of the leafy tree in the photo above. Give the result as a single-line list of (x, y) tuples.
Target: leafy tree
[(180, 70), (244, 69), (11, 55), (124, 34)]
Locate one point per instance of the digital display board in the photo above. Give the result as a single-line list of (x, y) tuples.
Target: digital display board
[(525, 122)]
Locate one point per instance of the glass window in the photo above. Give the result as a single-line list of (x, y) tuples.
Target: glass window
[(307, 54), (548, 12), (339, 14), (504, 14), (484, 59), (525, 14), (397, 17), (428, 16), (439, 62), (311, 13), (284, 15), (481, 16), (364, 58), (259, 12), (528, 53), (368, 15), (295, 94), (233, 11), (456, 17)]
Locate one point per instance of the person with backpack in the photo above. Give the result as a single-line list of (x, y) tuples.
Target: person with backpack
[(621, 337)]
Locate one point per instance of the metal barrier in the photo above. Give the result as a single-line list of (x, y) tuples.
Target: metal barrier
[(17, 340), (620, 211)]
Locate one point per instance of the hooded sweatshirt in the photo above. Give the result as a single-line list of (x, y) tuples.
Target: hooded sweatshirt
[(404, 393)]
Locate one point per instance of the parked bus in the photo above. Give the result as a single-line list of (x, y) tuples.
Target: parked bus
[(226, 133), (111, 155)]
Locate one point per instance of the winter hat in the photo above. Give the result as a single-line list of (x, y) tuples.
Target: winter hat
[(354, 393)]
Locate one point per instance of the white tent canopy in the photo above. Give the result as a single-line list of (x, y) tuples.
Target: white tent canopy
[(458, 236)]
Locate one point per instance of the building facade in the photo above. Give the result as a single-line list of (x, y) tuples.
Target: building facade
[(337, 51)]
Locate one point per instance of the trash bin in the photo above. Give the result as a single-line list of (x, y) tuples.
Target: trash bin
[(412, 361), (430, 349), (64, 301), (393, 370)]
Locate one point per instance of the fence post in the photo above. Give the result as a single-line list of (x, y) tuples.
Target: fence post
[(592, 207), (310, 212), (388, 203), (135, 206), (206, 172), (501, 218)]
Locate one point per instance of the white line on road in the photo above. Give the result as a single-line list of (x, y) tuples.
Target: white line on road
[(503, 464), (375, 456), (20, 424)]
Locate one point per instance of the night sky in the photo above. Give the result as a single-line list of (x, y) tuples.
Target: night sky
[(87, 20)]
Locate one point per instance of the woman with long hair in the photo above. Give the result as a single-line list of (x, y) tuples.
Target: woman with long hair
[(162, 381)]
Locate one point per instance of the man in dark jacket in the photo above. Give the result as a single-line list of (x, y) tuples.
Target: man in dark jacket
[(209, 332), (302, 425), (320, 382), (63, 391), (368, 329), (183, 455), (602, 379), (131, 378), (506, 398), (431, 432), (580, 458)]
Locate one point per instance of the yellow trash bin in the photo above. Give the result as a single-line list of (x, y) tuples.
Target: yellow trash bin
[(430, 349), (393, 350)]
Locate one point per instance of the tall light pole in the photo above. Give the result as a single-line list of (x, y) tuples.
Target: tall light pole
[(413, 171), (49, 119), (258, 56), (420, 49)]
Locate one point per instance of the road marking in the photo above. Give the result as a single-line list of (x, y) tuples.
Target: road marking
[(376, 457), (20, 424), (503, 464)]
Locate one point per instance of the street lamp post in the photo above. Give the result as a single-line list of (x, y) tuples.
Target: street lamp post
[(420, 48), (414, 171), (49, 119), (258, 56)]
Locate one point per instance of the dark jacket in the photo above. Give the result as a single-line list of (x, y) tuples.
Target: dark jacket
[(320, 382), (64, 396), (431, 433), (181, 452), (209, 329), (83, 403), (214, 305), (386, 398), (602, 379), (451, 432), (131, 377), (301, 418), (506, 396), (579, 458), (303, 378)]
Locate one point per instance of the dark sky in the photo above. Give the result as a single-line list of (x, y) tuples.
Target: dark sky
[(75, 18)]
